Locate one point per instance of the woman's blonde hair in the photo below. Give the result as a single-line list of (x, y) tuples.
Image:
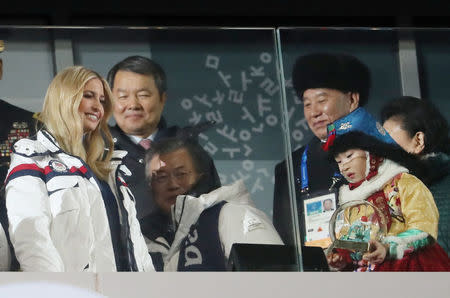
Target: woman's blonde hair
[(61, 118)]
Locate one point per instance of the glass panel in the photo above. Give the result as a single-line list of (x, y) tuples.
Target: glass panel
[(390, 56), (27, 61), (225, 75), (101, 49), (212, 75), (379, 51), (433, 48), (230, 75)]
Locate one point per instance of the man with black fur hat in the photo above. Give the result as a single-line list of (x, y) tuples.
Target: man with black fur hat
[(330, 86)]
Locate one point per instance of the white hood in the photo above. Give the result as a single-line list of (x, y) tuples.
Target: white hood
[(235, 193)]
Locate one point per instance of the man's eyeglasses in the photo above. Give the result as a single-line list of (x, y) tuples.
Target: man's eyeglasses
[(163, 178)]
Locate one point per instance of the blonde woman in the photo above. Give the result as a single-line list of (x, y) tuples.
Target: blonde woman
[(68, 206)]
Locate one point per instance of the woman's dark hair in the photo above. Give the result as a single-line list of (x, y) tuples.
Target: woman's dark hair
[(416, 115), (143, 66)]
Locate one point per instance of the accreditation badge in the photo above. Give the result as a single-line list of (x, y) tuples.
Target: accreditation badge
[(318, 211)]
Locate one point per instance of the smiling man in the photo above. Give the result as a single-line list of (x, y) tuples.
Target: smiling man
[(140, 92), (330, 86)]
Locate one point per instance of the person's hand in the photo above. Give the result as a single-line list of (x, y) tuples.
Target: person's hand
[(336, 260), (377, 252)]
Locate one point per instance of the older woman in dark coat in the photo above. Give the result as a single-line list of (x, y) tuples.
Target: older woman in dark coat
[(419, 128)]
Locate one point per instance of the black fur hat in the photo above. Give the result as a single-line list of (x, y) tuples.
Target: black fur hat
[(360, 140), (334, 71)]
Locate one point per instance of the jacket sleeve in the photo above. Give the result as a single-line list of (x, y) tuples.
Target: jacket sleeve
[(245, 224), (5, 255), (282, 219), (30, 216), (140, 247), (418, 206), (421, 218)]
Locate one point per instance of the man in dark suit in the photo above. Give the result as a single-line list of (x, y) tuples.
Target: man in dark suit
[(16, 123), (140, 90), (330, 86)]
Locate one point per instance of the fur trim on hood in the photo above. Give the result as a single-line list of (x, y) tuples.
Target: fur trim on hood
[(386, 171)]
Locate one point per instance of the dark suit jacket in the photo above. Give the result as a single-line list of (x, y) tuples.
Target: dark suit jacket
[(134, 160), (8, 115), (320, 173)]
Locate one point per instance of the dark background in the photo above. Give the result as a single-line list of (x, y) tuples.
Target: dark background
[(234, 13)]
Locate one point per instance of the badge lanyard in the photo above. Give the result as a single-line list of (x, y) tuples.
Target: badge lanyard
[(315, 222), (304, 173)]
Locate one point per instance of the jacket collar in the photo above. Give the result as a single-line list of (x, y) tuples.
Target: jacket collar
[(123, 142), (49, 142), (386, 171), (236, 192), (437, 167), (116, 131), (188, 209)]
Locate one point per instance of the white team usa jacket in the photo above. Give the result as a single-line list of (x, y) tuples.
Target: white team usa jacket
[(57, 217)]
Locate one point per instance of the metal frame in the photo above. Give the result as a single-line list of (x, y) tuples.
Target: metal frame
[(288, 149), (409, 68)]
